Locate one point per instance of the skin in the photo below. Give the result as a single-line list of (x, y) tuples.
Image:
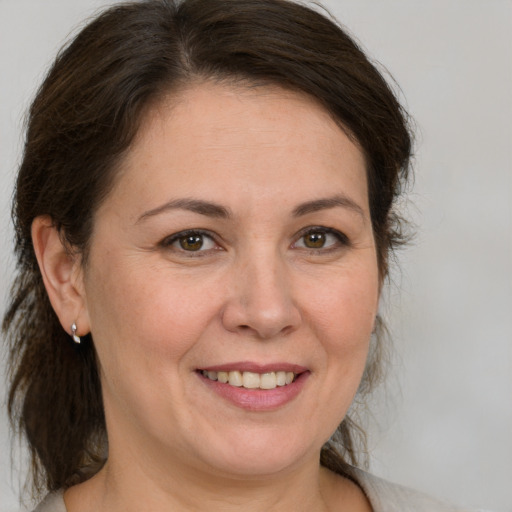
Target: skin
[(255, 291)]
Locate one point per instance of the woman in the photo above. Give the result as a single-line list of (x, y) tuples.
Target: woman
[(204, 216)]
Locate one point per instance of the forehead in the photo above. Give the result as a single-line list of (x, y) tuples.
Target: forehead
[(268, 137)]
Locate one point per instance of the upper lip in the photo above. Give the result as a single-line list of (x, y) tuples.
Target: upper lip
[(248, 366)]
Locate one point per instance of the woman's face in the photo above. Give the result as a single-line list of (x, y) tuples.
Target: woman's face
[(235, 246)]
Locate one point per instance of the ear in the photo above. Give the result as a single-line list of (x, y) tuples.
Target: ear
[(62, 275)]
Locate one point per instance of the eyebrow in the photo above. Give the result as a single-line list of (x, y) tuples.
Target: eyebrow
[(210, 209), (194, 205), (327, 203)]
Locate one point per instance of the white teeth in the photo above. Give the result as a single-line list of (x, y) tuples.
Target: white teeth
[(252, 380), (281, 378), (268, 381), (235, 379), (223, 377)]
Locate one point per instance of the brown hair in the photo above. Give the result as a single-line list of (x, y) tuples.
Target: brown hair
[(85, 116)]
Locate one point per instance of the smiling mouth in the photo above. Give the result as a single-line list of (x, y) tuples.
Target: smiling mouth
[(251, 380)]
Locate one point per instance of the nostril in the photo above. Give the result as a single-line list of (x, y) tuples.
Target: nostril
[(287, 330), (259, 318)]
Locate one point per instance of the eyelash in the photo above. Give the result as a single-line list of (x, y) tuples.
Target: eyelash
[(342, 240), (170, 240)]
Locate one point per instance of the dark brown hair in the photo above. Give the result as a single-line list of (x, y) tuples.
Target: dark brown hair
[(85, 116)]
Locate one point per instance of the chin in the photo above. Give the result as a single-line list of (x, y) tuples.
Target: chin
[(259, 456)]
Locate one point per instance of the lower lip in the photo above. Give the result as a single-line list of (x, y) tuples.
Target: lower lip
[(257, 399)]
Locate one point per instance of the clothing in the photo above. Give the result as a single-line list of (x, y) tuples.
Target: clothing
[(384, 497)]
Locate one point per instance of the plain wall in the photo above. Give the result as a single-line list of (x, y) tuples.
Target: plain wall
[(444, 424)]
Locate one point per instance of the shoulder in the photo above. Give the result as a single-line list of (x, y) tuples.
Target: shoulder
[(385, 496), (54, 502)]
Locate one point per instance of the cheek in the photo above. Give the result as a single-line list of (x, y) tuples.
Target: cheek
[(139, 316), (144, 326), (346, 308), (341, 314), (343, 319)]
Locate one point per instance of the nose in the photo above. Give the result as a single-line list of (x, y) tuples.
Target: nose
[(261, 302)]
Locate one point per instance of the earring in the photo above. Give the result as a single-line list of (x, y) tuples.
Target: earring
[(74, 335)]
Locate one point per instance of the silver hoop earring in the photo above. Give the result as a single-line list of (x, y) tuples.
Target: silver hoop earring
[(74, 335)]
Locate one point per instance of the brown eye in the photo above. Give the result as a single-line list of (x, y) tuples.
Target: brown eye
[(315, 240), (191, 242), (321, 239)]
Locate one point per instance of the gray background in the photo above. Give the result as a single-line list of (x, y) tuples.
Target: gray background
[(444, 423)]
